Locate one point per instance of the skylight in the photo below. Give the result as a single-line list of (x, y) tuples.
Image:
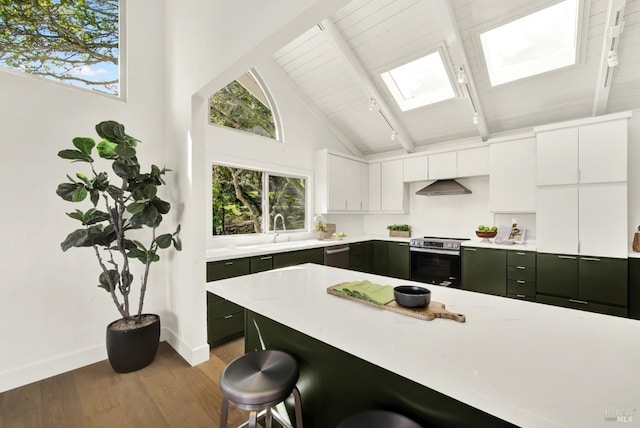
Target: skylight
[(419, 83), (542, 41)]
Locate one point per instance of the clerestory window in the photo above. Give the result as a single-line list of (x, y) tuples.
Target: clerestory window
[(245, 201), (76, 42)]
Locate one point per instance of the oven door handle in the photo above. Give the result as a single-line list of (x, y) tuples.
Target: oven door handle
[(432, 251)]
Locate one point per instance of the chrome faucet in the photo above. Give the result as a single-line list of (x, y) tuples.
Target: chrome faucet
[(275, 220)]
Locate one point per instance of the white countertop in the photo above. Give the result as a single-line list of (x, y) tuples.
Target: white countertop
[(226, 253), (531, 364), (527, 246)]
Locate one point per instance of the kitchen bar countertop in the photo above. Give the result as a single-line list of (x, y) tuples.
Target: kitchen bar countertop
[(531, 364), (527, 246)]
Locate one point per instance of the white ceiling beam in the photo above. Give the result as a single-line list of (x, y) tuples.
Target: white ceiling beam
[(612, 29), (276, 69), (459, 58), (367, 85)]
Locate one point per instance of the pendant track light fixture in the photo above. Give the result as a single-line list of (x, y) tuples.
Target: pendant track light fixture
[(373, 105), (476, 118), (461, 75), (612, 59), (393, 135)]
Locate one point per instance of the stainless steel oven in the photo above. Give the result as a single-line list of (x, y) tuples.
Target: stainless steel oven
[(436, 261)]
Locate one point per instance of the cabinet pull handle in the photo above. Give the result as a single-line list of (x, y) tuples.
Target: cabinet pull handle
[(521, 295), (228, 263), (402, 244), (520, 267), (567, 257), (582, 302), (471, 249), (228, 316), (520, 254), (521, 281), (590, 259), (339, 250), (266, 258)]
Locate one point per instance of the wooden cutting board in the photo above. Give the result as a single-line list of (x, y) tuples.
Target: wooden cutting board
[(434, 310)]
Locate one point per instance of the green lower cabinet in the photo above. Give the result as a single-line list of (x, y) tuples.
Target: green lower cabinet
[(398, 260), (484, 270), (227, 269), (596, 284), (380, 258), (261, 263), (634, 288), (361, 256), (313, 255), (225, 320)]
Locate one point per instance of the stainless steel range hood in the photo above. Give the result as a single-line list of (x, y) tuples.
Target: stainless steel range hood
[(443, 187)]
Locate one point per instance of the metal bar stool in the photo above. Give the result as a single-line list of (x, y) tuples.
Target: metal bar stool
[(256, 382), (378, 419)]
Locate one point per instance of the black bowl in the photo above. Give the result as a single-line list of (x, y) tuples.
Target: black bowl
[(412, 296)]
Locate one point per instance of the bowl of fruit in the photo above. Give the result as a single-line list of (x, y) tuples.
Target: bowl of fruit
[(486, 232)]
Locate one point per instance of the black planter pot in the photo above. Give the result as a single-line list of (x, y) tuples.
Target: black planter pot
[(134, 349)]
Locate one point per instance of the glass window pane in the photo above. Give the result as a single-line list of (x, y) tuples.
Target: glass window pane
[(242, 105), (237, 200), (542, 41), (74, 42), (287, 197)]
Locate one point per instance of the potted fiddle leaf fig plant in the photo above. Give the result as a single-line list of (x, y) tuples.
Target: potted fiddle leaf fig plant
[(124, 207)]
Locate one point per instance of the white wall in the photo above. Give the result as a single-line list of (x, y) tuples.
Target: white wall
[(52, 313)]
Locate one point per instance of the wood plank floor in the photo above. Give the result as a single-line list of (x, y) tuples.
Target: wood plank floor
[(168, 393)]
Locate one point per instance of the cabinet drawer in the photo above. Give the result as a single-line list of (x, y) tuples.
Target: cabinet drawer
[(582, 305), (227, 269), (522, 297), (521, 258), (261, 264), (222, 308), (521, 286), (522, 273), (231, 325)]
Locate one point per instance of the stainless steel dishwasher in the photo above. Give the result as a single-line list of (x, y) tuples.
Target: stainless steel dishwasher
[(337, 256)]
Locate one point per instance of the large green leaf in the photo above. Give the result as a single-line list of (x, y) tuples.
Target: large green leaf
[(108, 279), (74, 155), (135, 253), (79, 195), (111, 130), (148, 217), (107, 149), (147, 192), (77, 214), (94, 216), (125, 151), (162, 206), (126, 169), (77, 238), (101, 182), (84, 144), (114, 192), (164, 241), (136, 207), (67, 190)]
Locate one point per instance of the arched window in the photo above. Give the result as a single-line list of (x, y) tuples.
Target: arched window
[(244, 105)]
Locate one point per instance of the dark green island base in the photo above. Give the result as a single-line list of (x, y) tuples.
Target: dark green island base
[(334, 384)]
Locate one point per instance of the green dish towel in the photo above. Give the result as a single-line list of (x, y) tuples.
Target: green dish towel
[(366, 290)]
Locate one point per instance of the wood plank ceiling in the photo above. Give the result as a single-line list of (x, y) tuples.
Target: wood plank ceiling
[(337, 66)]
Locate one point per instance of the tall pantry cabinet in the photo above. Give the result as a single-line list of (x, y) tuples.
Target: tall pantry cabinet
[(581, 218)]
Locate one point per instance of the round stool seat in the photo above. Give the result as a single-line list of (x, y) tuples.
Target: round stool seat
[(377, 419), (259, 377)]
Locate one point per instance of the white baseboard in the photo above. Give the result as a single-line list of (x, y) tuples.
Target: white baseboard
[(47, 368)]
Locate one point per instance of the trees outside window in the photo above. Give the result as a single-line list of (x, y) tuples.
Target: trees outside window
[(244, 106), (70, 41), (239, 200)]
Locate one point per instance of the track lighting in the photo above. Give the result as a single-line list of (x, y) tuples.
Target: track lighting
[(373, 105), (476, 118), (612, 59), (393, 135), (462, 77)]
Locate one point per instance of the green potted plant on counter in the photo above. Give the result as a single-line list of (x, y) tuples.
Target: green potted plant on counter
[(112, 228), (400, 230)]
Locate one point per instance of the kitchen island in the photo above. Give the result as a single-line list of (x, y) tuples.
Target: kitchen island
[(512, 361)]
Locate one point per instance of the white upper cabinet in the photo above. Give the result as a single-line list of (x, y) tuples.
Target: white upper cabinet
[(443, 165), (602, 156), (416, 168), (341, 183), (387, 190), (472, 162), (557, 156), (512, 176), (583, 153)]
